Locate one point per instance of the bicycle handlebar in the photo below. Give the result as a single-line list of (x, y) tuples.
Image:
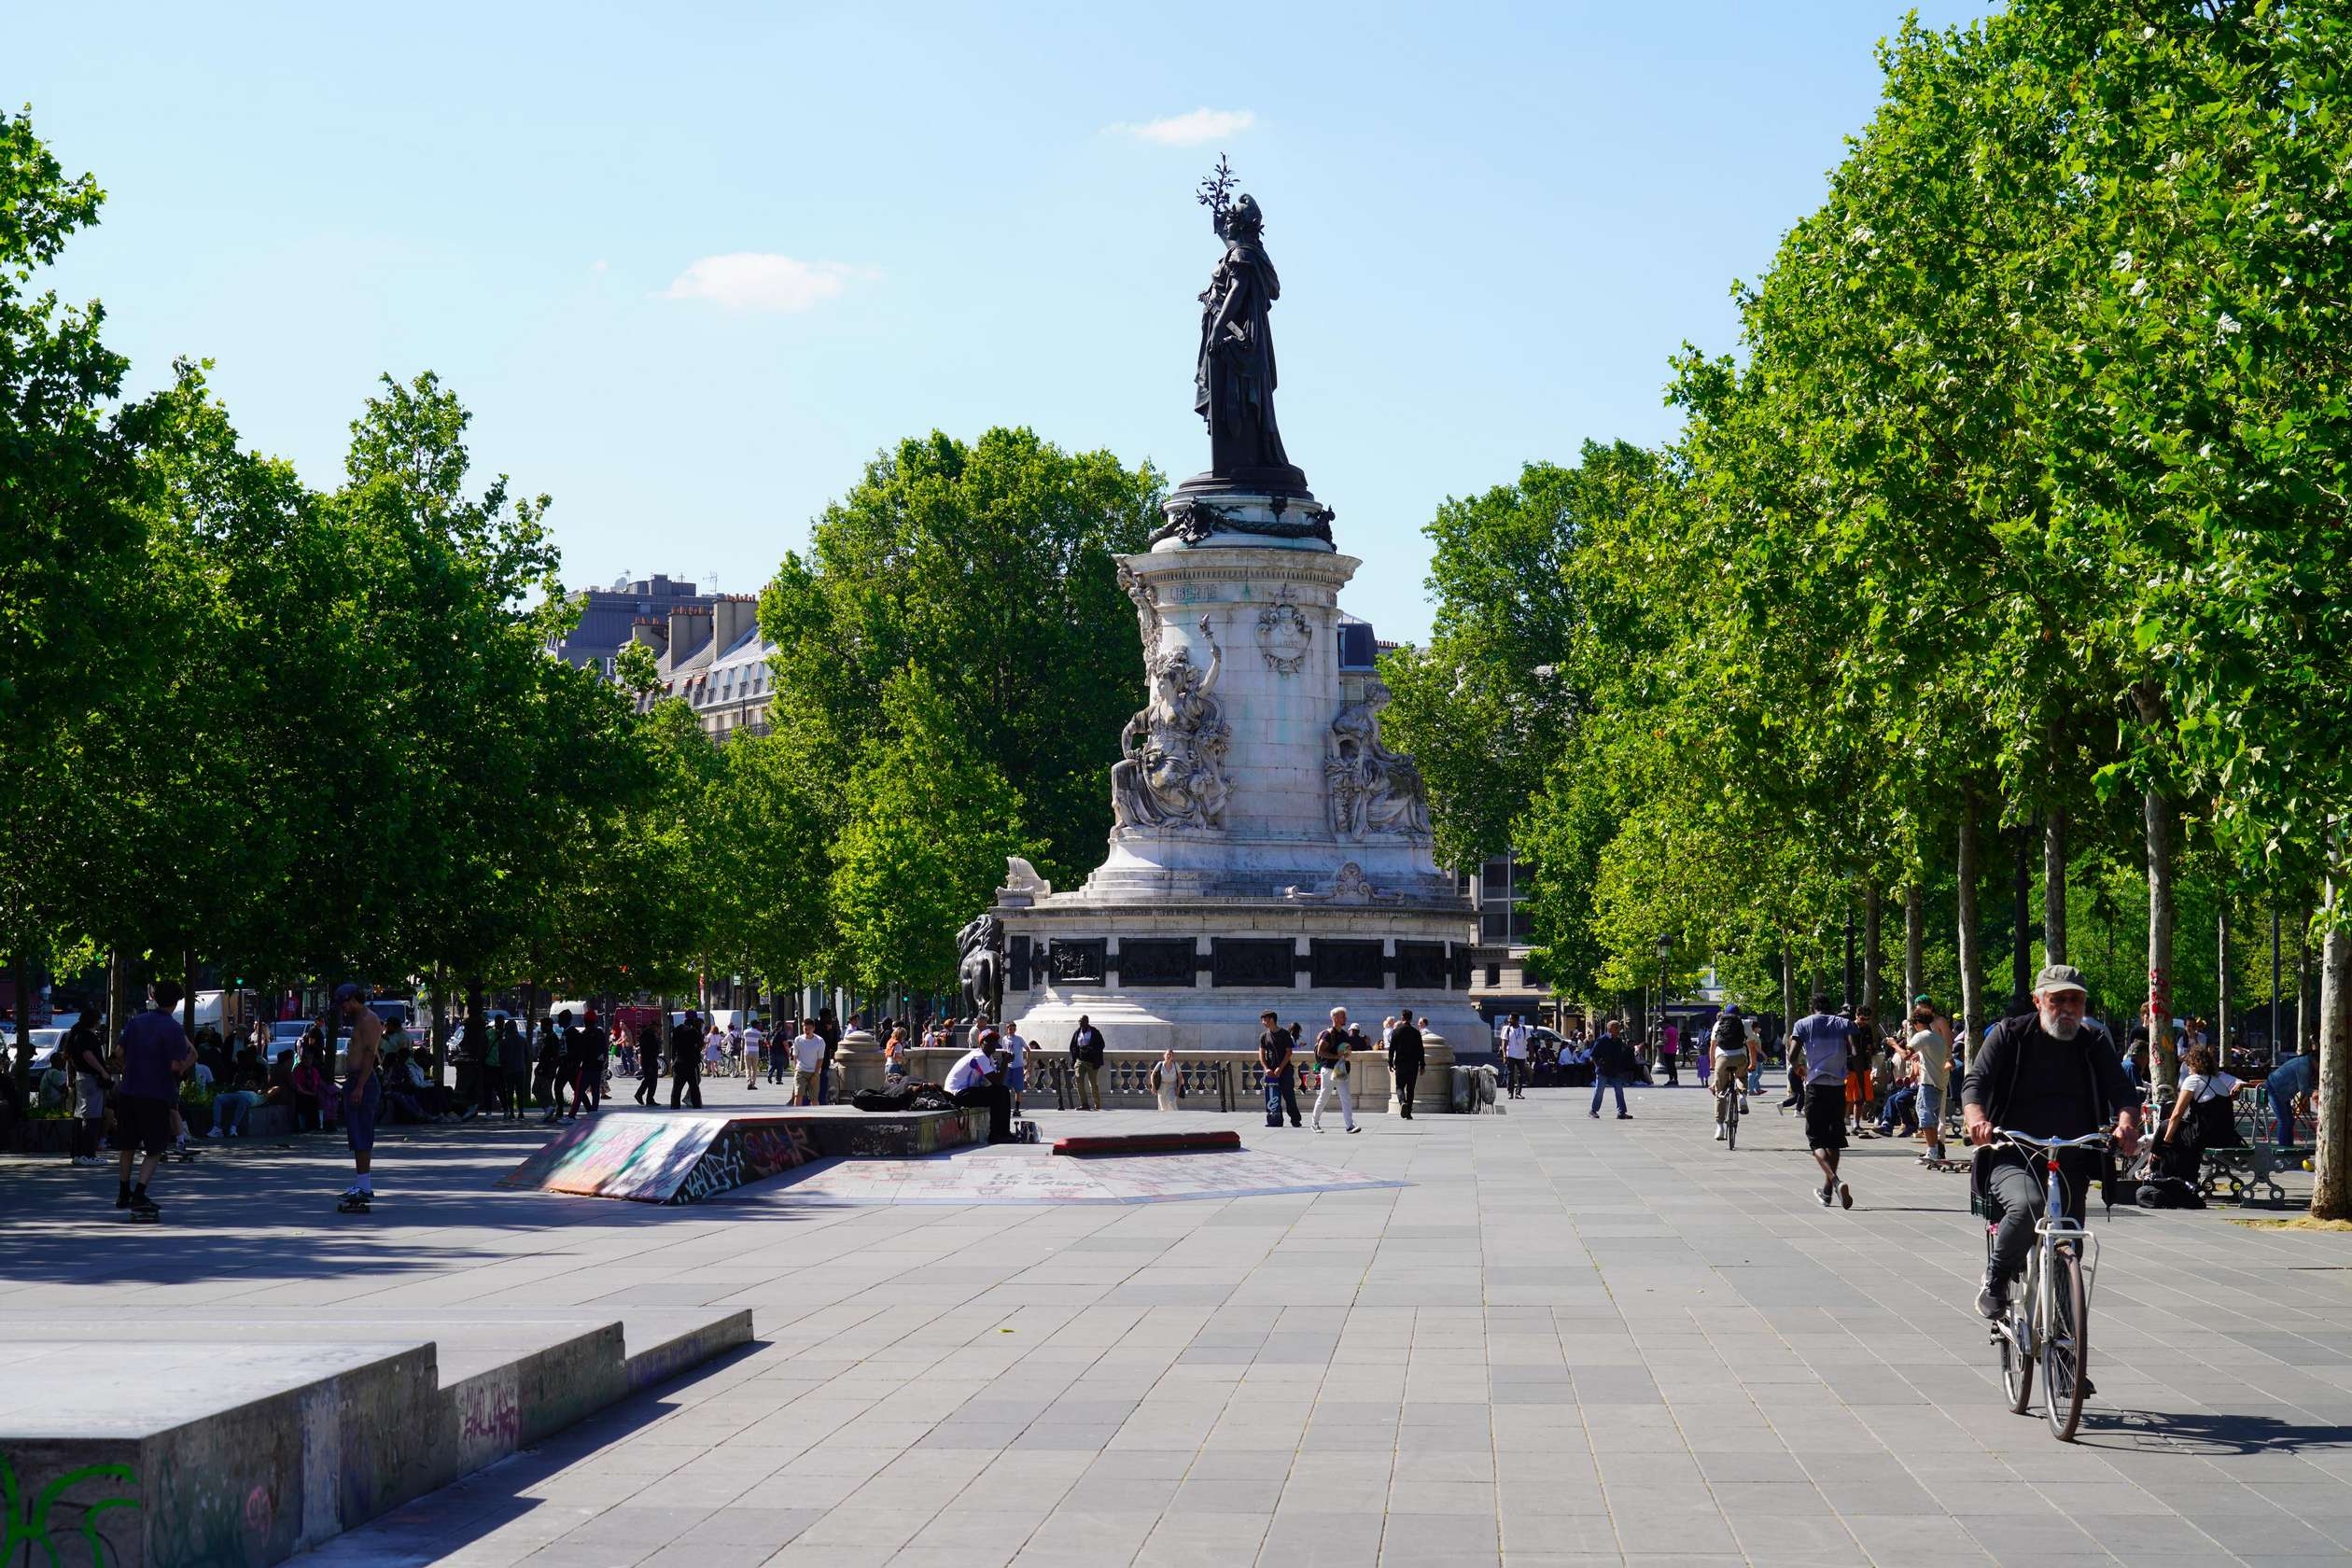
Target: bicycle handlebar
[(2087, 1141)]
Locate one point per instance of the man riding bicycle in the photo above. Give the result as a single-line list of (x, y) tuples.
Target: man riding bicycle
[(1728, 1041), (2042, 1073)]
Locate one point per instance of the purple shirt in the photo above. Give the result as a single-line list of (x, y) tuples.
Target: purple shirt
[(152, 1045)]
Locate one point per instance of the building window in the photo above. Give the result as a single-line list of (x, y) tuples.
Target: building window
[(1494, 978)]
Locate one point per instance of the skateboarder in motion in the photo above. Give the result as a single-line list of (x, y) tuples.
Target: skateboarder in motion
[(362, 1094), (155, 1053)]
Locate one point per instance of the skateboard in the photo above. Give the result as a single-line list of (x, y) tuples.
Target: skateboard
[(144, 1216), (185, 1156), (354, 1203), (1949, 1165)]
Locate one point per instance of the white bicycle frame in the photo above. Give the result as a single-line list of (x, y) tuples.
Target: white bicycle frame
[(2055, 1225)]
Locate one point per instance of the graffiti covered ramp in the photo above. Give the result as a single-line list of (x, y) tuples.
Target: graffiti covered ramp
[(686, 1156)]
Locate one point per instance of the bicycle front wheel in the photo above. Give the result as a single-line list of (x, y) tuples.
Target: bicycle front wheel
[(2065, 1346)]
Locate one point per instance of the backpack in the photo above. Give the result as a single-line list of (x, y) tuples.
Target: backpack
[(1729, 1034)]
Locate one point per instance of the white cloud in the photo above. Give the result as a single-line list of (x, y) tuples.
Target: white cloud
[(1190, 130), (762, 281)]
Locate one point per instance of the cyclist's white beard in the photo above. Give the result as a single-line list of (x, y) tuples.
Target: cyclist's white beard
[(2063, 1029)]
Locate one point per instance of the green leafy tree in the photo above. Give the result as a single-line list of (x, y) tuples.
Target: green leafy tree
[(988, 566), (71, 540), (924, 845)]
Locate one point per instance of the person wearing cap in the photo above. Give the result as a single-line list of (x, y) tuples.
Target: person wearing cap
[(362, 1090), (2042, 1072), (976, 1083)]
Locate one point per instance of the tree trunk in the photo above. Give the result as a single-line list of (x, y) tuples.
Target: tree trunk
[(1788, 994), (1971, 952), (20, 980), (118, 996), (187, 992), (2224, 998), (2302, 982), (2054, 889), (1873, 918), (1914, 942), (2331, 1192), (2021, 954), (440, 1041), (2163, 1065)]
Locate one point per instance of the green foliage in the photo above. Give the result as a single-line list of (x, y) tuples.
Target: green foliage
[(989, 565), (924, 845)]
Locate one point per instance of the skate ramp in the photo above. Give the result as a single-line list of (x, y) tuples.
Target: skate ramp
[(673, 1157)]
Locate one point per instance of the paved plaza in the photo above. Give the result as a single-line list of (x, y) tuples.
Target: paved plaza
[(1559, 1341)]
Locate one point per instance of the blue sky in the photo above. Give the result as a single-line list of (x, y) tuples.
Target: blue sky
[(691, 266)]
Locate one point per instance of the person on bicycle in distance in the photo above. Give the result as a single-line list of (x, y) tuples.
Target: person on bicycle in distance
[(1728, 1041), (2042, 1072)]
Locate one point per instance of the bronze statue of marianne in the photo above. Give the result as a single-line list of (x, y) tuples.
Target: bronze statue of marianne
[(1234, 379)]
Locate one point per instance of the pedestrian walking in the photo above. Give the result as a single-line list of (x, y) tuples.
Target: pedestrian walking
[(1333, 1047), (686, 1050), (649, 1056), (90, 1083), (1085, 1056), (1614, 1065), (1168, 1081), (1515, 1056), (1826, 1040), (362, 1093), (1670, 1052), (1276, 1056), (754, 1047), (1016, 1076), (808, 1064), (1407, 1052), (155, 1054), (514, 1069)]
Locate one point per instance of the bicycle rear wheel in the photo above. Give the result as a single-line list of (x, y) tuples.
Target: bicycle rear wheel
[(2017, 1368), (1731, 1124), (2065, 1346)]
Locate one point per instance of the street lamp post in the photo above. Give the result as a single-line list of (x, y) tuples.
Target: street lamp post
[(1665, 946)]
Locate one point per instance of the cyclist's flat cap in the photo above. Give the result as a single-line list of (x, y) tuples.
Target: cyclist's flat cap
[(2060, 977)]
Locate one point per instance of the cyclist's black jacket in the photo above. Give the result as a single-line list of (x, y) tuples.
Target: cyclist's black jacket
[(2026, 1078)]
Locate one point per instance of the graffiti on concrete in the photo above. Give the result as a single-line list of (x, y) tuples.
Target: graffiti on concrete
[(741, 1154), (29, 1528)]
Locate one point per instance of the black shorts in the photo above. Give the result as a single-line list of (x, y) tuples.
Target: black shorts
[(1825, 1116), (143, 1124)]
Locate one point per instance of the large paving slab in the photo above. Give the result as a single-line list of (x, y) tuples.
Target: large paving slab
[(1559, 1341)]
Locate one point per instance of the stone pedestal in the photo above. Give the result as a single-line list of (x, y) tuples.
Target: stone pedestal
[(1269, 852)]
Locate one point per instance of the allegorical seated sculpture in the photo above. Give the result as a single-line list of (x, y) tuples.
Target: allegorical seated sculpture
[(981, 967), (1373, 789), (1172, 776)]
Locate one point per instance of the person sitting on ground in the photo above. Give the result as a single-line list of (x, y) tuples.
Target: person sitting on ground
[(975, 1082)]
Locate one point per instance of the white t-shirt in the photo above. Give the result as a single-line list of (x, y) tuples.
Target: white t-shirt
[(1515, 1041), (808, 1051), (972, 1067), (752, 1039), (203, 1074), (1019, 1047), (2199, 1089)]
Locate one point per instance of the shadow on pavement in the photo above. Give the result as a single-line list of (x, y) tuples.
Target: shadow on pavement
[(2207, 1433)]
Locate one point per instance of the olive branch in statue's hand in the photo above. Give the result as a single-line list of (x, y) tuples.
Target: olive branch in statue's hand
[(1216, 193)]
